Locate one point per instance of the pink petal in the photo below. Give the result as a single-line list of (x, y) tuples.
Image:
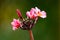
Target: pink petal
[(28, 13), (32, 11), (14, 28), (12, 23)]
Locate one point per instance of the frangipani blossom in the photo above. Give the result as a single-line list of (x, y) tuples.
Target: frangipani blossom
[(40, 13), (16, 24), (31, 14)]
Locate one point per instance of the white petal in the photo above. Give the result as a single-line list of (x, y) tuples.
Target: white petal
[(37, 10), (43, 14)]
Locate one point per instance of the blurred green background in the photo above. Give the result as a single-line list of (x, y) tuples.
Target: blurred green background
[(45, 29)]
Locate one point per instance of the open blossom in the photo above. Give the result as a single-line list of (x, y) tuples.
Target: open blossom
[(16, 24), (40, 13), (31, 14)]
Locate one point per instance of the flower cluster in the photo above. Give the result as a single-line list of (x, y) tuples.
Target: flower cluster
[(27, 23), (35, 12)]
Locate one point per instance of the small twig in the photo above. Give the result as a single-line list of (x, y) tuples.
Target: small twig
[(31, 35)]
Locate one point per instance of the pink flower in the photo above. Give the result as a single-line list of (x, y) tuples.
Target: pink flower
[(31, 14), (40, 13), (16, 24)]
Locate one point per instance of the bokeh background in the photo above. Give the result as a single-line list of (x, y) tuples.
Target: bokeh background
[(45, 29)]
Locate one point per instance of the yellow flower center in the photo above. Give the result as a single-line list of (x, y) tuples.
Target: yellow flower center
[(39, 14)]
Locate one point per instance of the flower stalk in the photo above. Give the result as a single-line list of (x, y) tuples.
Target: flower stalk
[(31, 35)]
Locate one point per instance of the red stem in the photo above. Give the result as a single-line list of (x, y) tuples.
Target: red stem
[(31, 35)]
